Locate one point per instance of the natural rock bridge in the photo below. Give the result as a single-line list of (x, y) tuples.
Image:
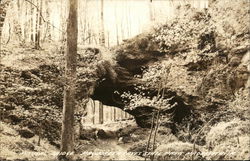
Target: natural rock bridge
[(117, 76)]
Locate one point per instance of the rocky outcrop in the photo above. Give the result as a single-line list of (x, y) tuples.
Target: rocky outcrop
[(204, 72), (32, 99), (132, 58), (206, 83)]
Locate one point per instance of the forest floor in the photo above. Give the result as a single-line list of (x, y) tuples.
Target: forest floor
[(20, 123), (14, 147), (31, 88)]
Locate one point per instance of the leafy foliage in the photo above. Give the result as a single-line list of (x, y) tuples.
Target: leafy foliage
[(185, 31), (207, 28), (152, 78), (232, 28)]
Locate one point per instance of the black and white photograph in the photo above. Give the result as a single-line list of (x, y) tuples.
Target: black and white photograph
[(124, 80)]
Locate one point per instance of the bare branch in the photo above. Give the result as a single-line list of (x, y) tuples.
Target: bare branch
[(44, 20)]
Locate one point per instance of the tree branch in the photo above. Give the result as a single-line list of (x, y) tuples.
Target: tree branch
[(44, 20)]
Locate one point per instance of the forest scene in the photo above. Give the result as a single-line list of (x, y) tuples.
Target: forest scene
[(124, 80)]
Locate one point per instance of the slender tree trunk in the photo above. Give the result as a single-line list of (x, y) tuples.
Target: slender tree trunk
[(26, 25), (122, 31), (108, 39), (111, 113), (117, 28), (47, 32), (82, 28), (3, 11), (102, 25), (120, 114), (151, 10), (85, 22), (100, 113), (129, 22), (32, 22), (117, 35), (93, 111), (67, 140), (107, 114), (114, 114), (38, 24), (89, 34), (19, 21)]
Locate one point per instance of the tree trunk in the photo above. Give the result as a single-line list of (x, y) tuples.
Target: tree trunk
[(114, 114), (47, 32), (151, 10), (38, 25), (111, 113), (108, 39), (67, 140), (18, 24), (93, 112), (100, 113), (3, 10), (31, 23), (116, 27), (89, 34), (26, 35), (102, 25)]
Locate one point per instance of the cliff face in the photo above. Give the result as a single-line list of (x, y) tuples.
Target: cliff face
[(204, 55)]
